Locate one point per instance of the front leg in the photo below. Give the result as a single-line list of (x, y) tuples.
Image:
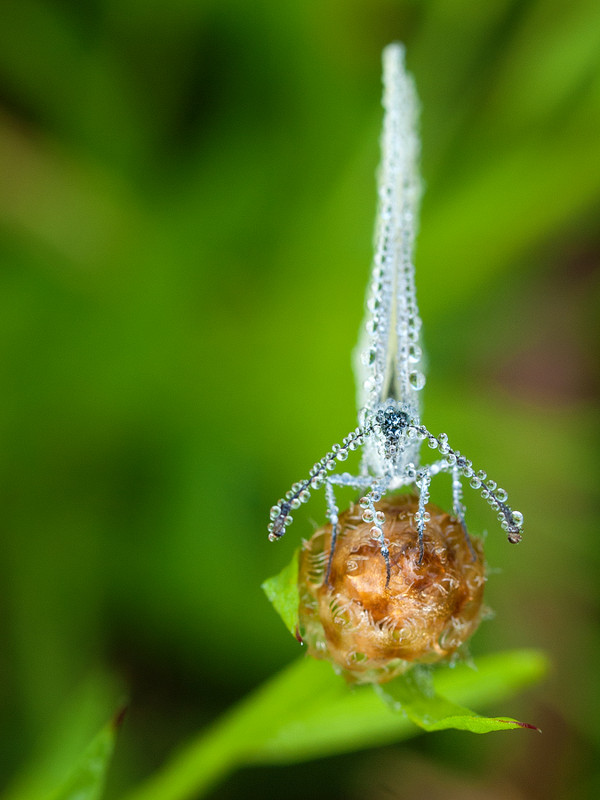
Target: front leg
[(422, 482), (370, 514), (411, 473), (281, 512), (353, 481)]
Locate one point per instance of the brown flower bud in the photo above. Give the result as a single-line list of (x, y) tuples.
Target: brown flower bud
[(373, 632)]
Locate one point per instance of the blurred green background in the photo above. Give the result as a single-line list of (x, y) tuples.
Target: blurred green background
[(187, 200)]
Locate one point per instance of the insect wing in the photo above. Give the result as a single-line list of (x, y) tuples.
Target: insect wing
[(388, 360)]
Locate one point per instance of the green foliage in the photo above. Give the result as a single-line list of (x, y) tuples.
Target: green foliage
[(186, 208), (308, 712), (86, 782), (413, 694), (71, 756), (282, 591)]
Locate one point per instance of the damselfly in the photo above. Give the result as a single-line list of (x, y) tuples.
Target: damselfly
[(389, 364)]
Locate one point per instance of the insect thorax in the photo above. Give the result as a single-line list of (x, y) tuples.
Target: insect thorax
[(392, 445)]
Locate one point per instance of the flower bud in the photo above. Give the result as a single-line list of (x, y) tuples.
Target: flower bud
[(373, 632)]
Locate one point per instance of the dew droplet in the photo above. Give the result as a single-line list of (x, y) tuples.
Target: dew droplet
[(369, 384), (416, 380), (414, 353)]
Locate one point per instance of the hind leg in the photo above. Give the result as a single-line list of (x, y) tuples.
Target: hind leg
[(459, 509)]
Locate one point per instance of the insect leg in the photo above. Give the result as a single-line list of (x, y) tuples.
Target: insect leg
[(332, 514), (345, 479), (370, 514), (353, 481), (281, 512), (459, 509), (438, 466), (510, 521), (422, 516)]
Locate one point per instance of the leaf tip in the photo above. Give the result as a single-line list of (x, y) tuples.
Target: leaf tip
[(527, 725), (517, 723)]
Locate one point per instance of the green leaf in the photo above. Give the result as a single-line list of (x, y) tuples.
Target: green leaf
[(334, 718), (282, 591), (414, 695), (86, 781), (59, 749), (307, 711)]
